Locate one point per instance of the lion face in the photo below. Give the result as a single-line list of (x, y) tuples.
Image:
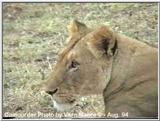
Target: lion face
[(83, 67)]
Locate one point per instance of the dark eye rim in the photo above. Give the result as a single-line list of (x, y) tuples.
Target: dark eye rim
[(74, 64)]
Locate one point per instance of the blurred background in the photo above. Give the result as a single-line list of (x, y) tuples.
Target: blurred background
[(34, 33)]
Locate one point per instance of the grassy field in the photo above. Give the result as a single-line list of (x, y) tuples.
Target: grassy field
[(34, 33)]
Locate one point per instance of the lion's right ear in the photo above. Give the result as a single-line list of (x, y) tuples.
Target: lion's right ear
[(102, 42), (76, 27)]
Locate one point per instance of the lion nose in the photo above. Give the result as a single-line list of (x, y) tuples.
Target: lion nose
[(51, 92)]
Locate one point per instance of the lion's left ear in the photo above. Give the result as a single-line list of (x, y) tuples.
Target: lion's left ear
[(102, 42)]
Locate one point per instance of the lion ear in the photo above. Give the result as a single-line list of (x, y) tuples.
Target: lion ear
[(102, 42), (76, 27)]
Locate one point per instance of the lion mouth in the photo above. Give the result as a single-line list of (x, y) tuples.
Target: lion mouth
[(61, 107)]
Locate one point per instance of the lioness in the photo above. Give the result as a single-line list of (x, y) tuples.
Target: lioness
[(101, 61)]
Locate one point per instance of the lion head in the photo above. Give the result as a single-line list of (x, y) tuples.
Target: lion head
[(84, 65)]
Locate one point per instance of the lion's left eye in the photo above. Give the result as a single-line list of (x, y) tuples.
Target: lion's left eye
[(74, 64)]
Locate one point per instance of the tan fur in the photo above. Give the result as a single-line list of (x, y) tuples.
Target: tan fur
[(101, 61)]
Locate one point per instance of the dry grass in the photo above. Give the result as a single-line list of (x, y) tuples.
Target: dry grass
[(34, 33)]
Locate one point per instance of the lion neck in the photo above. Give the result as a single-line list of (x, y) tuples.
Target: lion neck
[(121, 64)]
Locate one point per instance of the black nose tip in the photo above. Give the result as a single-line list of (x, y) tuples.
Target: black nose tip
[(72, 101), (51, 92)]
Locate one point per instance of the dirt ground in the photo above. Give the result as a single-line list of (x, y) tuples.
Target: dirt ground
[(34, 33)]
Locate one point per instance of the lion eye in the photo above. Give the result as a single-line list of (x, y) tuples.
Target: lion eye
[(74, 64)]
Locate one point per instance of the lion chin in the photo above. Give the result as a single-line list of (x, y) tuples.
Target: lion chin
[(61, 107)]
